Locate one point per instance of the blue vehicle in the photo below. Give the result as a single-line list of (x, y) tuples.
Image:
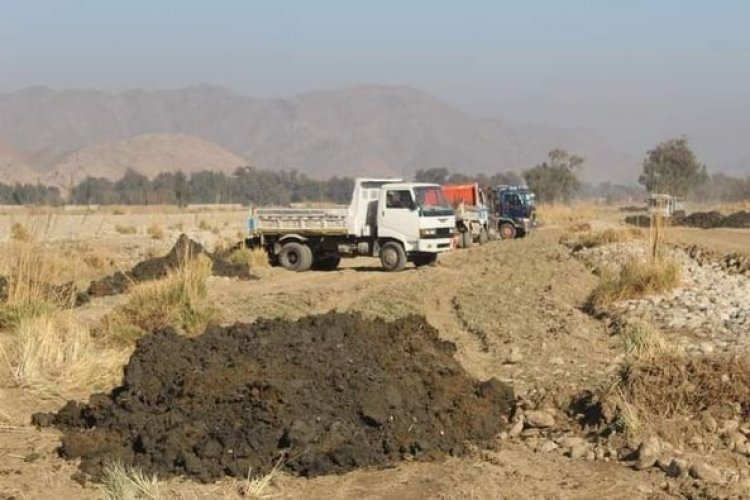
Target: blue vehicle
[(513, 211)]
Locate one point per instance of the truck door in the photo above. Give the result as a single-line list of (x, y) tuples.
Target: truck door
[(398, 217)]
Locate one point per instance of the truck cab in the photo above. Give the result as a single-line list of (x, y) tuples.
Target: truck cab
[(514, 211)]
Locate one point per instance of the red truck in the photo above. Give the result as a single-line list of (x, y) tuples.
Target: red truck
[(472, 214)]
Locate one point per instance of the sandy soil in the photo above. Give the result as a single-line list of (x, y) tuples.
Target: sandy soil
[(511, 307)]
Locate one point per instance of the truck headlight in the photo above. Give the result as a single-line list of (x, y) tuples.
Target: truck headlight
[(427, 232)]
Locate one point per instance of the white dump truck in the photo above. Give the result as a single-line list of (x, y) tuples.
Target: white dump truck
[(397, 221)]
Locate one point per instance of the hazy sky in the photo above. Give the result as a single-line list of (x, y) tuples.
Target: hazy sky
[(634, 70)]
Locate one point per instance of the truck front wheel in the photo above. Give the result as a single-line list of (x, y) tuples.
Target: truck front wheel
[(392, 256), (507, 231), (467, 239), (483, 236), (295, 256)]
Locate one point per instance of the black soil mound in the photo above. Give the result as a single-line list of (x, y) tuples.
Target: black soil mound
[(325, 394), (704, 220), (158, 267)]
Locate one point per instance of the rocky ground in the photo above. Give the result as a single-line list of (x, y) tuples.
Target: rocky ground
[(709, 311)]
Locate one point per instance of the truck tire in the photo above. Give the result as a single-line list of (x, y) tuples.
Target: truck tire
[(327, 264), (392, 256), (467, 239), (295, 256), (483, 236), (424, 259), (507, 231)]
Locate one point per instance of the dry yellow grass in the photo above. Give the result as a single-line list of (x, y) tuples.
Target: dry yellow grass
[(125, 229), (19, 232), (590, 239), (643, 340), (180, 300), (124, 482), (155, 231), (33, 281), (253, 258), (636, 279), (563, 215), (52, 353)]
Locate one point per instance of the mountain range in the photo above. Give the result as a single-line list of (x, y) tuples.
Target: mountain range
[(60, 136)]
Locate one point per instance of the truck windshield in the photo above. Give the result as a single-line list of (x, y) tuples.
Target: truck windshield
[(432, 201), (528, 199)]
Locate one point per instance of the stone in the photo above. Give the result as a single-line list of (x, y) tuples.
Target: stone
[(648, 452), (709, 423), (734, 439), (539, 419), (705, 472), (677, 468), (729, 426), (547, 446), (516, 428), (515, 356), (579, 451)]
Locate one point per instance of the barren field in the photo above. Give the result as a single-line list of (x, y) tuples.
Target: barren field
[(504, 371)]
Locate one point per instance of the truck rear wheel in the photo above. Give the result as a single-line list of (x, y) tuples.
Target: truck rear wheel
[(295, 256), (467, 239), (392, 256), (483, 236), (507, 231)]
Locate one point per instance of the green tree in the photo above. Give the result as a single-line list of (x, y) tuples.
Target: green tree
[(555, 179), (672, 168)]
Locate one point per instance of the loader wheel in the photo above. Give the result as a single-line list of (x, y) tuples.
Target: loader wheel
[(507, 231), (392, 256), (467, 239), (295, 256)]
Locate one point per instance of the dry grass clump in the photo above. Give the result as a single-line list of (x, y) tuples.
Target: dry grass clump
[(564, 215), (155, 231), (671, 385), (33, 278), (52, 353), (19, 232), (124, 482), (591, 239), (636, 279), (253, 258), (643, 340), (125, 229), (180, 300)]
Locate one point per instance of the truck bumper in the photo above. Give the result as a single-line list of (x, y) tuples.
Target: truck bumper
[(434, 245)]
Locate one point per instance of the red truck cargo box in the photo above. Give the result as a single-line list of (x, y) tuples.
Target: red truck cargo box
[(466, 193)]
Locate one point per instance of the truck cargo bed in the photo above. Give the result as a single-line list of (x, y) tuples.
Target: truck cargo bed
[(300, 220)]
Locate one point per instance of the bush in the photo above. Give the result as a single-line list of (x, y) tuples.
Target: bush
[(591, 239), (636, 279), (253, 258), (125, 229), (180, 301), (18, 232), (155, 231)]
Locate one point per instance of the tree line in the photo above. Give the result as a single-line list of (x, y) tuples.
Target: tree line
[(670, 167)]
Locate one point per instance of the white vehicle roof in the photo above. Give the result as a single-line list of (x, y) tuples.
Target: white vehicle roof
[(409, 185)]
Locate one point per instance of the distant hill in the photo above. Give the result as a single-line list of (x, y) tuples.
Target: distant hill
[(13, 169), (147, 154), (369, 130)]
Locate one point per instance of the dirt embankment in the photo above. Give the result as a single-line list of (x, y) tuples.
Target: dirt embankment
[(325, 394), (158, 267)]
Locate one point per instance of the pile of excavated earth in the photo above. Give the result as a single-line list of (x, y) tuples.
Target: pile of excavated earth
[(324, 394), (704, 220), (158, 267)]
